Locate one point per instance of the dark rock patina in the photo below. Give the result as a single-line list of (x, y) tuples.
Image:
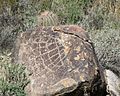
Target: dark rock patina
[(62, 62)]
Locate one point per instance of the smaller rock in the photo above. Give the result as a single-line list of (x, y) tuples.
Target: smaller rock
[(113, 83)]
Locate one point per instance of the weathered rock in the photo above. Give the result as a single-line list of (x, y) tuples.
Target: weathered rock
[(113, 83), (62, 62)]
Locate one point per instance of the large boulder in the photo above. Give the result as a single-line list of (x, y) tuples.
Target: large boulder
[(62, 61)]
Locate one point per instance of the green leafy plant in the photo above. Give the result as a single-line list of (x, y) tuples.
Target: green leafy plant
[(13, 79), (67, 10)]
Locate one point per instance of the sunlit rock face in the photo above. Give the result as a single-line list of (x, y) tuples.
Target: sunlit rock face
[(61, 60), (113, 83)]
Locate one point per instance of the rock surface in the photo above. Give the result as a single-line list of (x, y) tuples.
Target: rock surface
[(113, 83), (61, 59)]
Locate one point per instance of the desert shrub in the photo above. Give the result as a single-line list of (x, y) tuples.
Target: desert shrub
[(69, 11), (14, 19), (13, 78), (107, 48), (47, 18), (10, 25), (91, 14)]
